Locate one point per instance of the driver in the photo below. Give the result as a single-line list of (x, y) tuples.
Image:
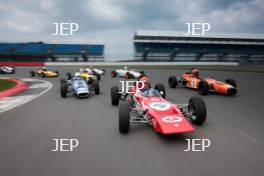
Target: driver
[(195, 72), (150, 93), (77, 75), (125, 68), (44, 69)]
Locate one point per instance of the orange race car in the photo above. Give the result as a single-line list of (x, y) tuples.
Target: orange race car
[(193, 80), (43, 72)]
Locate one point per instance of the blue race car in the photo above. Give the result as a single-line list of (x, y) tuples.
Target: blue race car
[(78, 86)]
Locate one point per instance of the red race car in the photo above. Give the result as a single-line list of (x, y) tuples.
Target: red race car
[(193, 80), (148, 106)]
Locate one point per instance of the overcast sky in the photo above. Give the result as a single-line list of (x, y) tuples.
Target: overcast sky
[(114, 22)]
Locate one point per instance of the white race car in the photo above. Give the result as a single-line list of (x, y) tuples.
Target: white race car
[(126, 73), (7, 70), (93, 71)]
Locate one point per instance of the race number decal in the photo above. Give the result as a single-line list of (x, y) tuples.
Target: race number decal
[(160, 106), (171, 119), (193, 83)]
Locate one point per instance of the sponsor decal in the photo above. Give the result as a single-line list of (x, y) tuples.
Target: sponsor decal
[(160, 106), (172, 119)]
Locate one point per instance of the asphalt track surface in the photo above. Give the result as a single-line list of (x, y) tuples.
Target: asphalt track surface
[(235, 126)]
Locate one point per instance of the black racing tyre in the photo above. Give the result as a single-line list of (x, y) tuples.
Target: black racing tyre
[(198, 109), (172, 82), (96, 87), (115, 95), (42, 75), (113, 74), (124, 117), (69, 76), (128, 75), (57, 72), (203, 88), (32, 73), (161, 88), (90, 81), (98, 77), (63, 88), (231, 81), (104, 72)]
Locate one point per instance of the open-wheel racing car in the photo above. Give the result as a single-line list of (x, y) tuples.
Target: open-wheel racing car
[(7, 70), (43, 72), (126, 73), (193, 80), (95, 71), (78, 86), (148, 106), (87, 76)]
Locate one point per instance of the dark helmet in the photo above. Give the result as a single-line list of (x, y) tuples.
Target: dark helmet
[(195, 72)]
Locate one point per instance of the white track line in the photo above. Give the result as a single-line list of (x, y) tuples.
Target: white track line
[(247, 136), (25, 99)]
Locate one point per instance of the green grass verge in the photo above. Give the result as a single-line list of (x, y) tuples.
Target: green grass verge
[(6, 84)]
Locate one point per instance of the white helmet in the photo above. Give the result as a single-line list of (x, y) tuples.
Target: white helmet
[(77, 74), (125, 67), (81, 70)]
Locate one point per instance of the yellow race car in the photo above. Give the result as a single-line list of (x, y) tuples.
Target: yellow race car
[(43, 72), (87, 74)]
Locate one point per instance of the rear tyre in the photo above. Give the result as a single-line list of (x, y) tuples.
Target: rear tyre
[(203, 88), (96, 87), (172, 82), (113, 74), (90, 81), (104, 72), (161, 89), (115, 95), (98, 77), (32, 73), (69, 76), (198, 109), (231, 81), (63, 88), (124, 117), (128, 75), (57, 72)]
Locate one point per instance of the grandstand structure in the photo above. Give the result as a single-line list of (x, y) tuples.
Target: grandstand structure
[(152, 45), (42, 52)]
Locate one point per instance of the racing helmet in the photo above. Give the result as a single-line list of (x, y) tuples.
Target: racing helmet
[(77, 75), (81, 70), (195, 72), (146, 83), (44, 68), (125, 68)]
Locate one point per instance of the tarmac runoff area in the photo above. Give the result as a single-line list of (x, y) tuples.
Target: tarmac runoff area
[(234, 126)]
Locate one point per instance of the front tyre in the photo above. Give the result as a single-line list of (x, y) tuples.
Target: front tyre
[(203, 88), (124, 117), (63, 88), (32, 73), (197, 108), (69, 76), (115, 95), (161, 89), (172, 82)]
